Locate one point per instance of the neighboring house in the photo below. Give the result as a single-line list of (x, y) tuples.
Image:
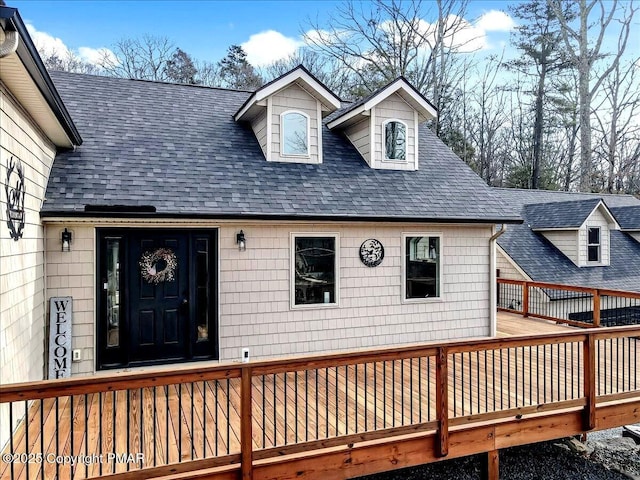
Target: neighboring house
[(191, 222), (588, 240)]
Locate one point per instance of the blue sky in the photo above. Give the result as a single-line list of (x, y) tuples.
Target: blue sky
[(204, 28)]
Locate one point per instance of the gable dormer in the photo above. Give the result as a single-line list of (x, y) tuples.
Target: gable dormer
[(286, 116), (579, 229), (384, 126)]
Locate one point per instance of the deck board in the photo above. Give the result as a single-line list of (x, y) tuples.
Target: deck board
[(311, 405)]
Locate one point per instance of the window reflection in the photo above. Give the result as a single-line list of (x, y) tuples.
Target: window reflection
[(315, 270), (202, 293), (395, 135), (113, 292), (422, 264), (294, 134)]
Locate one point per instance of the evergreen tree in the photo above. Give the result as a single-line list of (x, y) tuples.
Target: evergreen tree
[(236, 72), (180, 68)]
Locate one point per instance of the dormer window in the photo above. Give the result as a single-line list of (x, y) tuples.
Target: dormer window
[(395, 140), (593, 247), (295, 133)]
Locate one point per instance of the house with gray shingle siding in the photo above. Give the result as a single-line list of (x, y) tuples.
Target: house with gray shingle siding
[(189, 223), (580, 239)]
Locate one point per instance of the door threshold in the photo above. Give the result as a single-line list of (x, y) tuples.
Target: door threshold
[(164, 367)]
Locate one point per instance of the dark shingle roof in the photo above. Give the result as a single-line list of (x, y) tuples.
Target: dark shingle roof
[(628, 217), (178, 149), (543, 262), (559, 214)]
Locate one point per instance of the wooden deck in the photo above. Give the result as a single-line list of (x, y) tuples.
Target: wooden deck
[(351, 398)]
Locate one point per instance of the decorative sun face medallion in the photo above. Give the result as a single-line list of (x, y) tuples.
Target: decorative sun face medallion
[(371, 252)]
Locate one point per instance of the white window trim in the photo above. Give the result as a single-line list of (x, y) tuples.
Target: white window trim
[(383, 140), (403, 253), (292, 267), (295, 155), (599, 245)]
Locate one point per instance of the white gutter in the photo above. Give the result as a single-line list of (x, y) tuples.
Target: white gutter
[(493, 294), (10, 43)]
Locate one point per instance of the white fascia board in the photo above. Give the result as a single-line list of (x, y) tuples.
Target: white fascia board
[(563, 229), (512, 262), (424, 107), (320, 92), (607, 213)]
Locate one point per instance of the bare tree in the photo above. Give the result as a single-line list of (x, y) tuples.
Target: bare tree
[(327, 70), (585, 52), (143, 58), (616, 123), (208, 74), (379, 41), (67, 62), (488, 120)]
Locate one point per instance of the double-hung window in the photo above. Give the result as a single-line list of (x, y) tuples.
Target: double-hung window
[(314, 266), (422, 266), (593, 244), (294, 133)]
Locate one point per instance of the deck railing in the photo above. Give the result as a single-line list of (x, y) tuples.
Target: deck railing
[(235, 415), (578, 306)]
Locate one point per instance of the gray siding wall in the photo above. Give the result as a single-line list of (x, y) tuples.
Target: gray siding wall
[(359, 136), (566, 242), (597, 219), (507, 270), (294, 98), (255, 309), (394, 108), (22, 265), (259, 126)]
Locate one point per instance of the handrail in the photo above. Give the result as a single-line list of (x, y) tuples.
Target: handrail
[(443, 357), (594, 297), (103, 383)]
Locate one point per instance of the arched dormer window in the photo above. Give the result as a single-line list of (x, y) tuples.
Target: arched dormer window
[(394, 133), (294, 135)]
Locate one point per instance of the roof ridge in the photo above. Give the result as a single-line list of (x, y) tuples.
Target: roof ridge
[(510, 189), (161, 82)]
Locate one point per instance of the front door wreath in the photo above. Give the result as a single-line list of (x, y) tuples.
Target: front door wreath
[(157, 266)]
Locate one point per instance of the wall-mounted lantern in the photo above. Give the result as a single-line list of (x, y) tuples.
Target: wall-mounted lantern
[(65, 238), (241, 241)]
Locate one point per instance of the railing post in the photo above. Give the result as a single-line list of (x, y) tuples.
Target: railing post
[(246, 425), (525, 299), (589, 415), (442, 401), (596, 307)]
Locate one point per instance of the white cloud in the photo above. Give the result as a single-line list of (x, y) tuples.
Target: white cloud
[(495, 21), (461, 35), (266, 47), (48, 45), (95, 56)]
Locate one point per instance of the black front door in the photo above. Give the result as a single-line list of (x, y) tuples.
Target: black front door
[(157, 292)]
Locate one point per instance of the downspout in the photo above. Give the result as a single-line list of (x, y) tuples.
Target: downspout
[(9, 44), (493, 294)]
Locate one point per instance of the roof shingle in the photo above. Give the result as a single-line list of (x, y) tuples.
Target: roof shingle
[(543, 262), (178, 149)]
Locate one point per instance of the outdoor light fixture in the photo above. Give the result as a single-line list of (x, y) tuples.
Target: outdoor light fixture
[(241, 241), (66, 240)]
